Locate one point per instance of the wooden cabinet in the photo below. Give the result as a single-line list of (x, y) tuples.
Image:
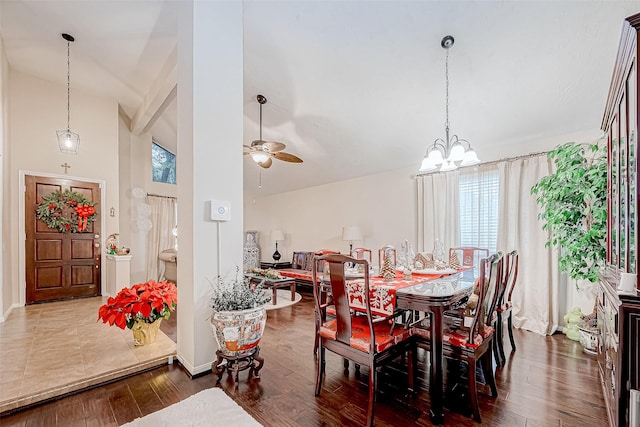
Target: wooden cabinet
[(619, 313)]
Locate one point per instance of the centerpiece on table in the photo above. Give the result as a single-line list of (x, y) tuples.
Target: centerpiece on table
[(269, 273), (238, 315), (141, 308)]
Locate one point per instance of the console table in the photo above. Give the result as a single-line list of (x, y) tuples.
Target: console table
[(275, 265)]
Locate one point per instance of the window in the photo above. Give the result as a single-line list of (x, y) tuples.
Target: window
[(478, 202), (163, 164)]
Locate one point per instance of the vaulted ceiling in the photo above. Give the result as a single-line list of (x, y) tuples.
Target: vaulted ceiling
[(354, 87)]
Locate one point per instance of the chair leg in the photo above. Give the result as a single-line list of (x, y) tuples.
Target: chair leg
[(496, 350), (487, 369), (320, 369), (499, 340), (373, 379), (413, 368), (510, 330), (473, 389)]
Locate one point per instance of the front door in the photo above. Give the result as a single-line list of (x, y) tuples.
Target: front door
[(60, 265)]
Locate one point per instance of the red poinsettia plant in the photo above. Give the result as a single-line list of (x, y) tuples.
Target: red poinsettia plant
[(147, 301)]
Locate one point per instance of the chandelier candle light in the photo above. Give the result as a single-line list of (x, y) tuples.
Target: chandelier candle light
[(446, 155), (68, 141)]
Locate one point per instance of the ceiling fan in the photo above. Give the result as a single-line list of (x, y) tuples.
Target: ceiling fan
[(262, 152)]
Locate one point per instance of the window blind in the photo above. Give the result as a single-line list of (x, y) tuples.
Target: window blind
[(478, 209)]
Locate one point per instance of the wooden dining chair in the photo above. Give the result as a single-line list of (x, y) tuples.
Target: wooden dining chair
[(475, 343), (504, 307), (362, 253), (360, 337), (387, 250), (469, 256)]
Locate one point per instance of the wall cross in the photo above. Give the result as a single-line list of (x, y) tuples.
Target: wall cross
[(66, 166)]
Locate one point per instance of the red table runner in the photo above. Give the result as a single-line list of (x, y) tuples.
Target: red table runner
[(383, 293)]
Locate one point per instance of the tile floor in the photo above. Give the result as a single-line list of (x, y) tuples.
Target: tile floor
[(51, 349)]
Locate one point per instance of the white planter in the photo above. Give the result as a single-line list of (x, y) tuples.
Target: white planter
[(238, 332), (589, 340)]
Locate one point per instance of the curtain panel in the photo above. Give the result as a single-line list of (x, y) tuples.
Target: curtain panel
[(438, 201), (535, 297), (159, 238)]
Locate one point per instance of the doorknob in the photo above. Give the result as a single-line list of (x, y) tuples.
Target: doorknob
[(96, 236)]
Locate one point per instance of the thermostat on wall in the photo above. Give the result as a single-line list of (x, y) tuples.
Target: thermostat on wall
[(220, 210)]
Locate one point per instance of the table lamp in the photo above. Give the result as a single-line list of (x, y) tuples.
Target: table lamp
[(277, 235), (351, 233)]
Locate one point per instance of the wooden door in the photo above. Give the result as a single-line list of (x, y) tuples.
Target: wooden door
[(60, 265)]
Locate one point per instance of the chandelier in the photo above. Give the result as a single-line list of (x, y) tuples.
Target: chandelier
[(449, 153), (68, 141)]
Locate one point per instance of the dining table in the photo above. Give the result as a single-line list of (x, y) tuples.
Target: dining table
[(435, 297)]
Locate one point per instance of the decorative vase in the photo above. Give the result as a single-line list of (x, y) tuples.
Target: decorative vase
[(238, 332), (145, 333)]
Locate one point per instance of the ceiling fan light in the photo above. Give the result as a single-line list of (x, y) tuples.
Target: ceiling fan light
[(435, 156), (457, 153), (259, 157), (427, 165), (448, 166), (470, 158)]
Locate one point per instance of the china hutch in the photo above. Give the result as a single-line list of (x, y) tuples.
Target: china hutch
[(619, 312)]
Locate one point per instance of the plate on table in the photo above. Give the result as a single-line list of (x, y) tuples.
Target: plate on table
[(353, 274), (435, 271)]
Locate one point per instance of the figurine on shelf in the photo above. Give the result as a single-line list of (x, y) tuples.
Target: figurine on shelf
[(112, 244)]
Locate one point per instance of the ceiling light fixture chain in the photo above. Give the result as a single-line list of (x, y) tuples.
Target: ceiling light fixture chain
[(68, 141), (68, 85), (448, 154)]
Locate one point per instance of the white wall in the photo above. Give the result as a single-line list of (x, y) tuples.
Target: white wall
[(135, 164), (382, 205), (37, 109), (5, 212)]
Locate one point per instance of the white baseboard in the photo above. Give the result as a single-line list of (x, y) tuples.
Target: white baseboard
[(5, 316), (194, 370)]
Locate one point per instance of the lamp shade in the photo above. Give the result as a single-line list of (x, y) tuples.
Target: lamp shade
[(351, 233), (277, 235)]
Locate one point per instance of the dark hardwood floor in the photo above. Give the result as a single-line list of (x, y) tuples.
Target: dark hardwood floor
[(549, 381)]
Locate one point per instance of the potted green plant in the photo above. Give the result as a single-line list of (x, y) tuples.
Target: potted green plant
[(238, 315), (574, 203)]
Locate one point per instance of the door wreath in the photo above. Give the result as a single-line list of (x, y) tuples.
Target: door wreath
[(66, 211)]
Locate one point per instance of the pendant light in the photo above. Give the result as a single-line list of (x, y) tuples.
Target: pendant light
[(449, 153), (68, 141)]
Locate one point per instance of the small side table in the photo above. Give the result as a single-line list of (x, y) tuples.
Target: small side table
[(275, 265), (275, 284)]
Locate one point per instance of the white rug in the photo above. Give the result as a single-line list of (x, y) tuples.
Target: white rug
[(283, 298), (211, 407)]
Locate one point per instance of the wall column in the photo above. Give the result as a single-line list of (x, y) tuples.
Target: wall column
[(209, 165)]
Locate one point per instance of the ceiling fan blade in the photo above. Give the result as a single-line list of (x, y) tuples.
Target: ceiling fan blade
[(274, 146), (266, 164), (287, 157), (247, 146)]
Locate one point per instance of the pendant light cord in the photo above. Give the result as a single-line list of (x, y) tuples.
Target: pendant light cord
[(446, 73), (68, 91)]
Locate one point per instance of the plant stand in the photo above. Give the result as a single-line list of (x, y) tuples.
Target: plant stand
[(234, 364)]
